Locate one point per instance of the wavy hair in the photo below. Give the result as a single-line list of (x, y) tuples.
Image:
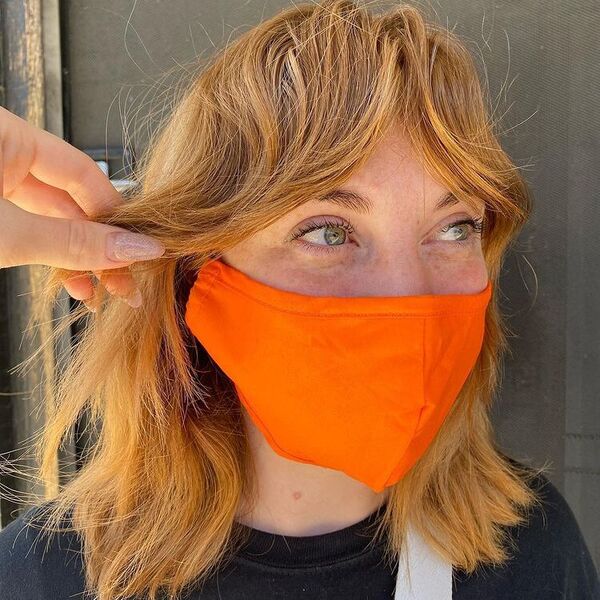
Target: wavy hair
[(286, 112)]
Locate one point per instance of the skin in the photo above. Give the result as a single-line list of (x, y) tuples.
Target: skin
[(397, 249), (49, 191)]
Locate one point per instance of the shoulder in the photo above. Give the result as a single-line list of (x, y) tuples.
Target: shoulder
[(33, 566), (551, 530), (549, 559)]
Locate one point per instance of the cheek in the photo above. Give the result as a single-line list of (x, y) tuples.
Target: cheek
[(475, 277), (469, 254), (462, 271)]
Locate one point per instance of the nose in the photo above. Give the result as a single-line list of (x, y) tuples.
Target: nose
[(411, 270), (401, 272)]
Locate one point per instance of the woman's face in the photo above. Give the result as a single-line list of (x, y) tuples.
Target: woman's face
[(403, 245)]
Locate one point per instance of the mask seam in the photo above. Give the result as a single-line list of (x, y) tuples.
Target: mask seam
[(420, 417), (209, 283), (470, 311), (250, 408)]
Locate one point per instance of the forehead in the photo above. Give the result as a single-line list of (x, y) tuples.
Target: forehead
[(394, 171), (393, 162)]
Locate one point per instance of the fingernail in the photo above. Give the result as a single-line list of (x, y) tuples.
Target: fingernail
[(90, 307), (135, 299), (132, 246)]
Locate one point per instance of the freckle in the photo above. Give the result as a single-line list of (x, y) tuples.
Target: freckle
[(297, 495)]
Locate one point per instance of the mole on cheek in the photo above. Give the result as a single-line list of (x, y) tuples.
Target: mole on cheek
[(297, 495)]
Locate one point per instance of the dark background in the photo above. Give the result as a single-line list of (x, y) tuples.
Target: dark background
[(540, 64)]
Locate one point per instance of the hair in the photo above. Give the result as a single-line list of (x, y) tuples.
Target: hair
[(288, 111)]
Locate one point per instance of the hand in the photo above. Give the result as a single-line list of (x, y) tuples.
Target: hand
[(48, 192)]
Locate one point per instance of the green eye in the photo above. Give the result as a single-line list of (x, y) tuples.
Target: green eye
[(476, 226), (343, 230)]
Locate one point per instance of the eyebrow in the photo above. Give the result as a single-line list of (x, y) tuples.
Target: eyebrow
[(358, 203)]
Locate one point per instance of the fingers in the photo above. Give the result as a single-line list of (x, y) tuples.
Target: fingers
[(75, 244), (117, 282), (50, 191), (79, 285), (51, 160), (40, 198), (120, 282), (63, 166)]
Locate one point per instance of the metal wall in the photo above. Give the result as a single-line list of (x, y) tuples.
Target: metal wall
[(540, 61)]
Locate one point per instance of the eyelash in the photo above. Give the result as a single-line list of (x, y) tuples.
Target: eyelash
[(477, 225)]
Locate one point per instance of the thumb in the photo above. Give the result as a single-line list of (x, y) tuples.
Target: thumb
[(76, 244)]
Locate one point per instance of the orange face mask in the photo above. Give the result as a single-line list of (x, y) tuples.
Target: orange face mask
[(357, 384)]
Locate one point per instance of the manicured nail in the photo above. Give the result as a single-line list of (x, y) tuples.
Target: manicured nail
[(132, 246), (135, 299), (89, 306)]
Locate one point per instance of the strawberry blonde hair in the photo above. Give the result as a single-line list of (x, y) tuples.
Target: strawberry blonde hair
[(288, 111)]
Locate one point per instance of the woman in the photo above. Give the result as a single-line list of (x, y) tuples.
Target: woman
[(299, 409)]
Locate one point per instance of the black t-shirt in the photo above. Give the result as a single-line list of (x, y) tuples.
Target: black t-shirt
[(552, 562)]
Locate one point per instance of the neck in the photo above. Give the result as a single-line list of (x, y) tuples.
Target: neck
[(299, 499)]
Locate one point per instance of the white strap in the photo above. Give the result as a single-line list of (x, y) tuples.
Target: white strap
[(422, 573)]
